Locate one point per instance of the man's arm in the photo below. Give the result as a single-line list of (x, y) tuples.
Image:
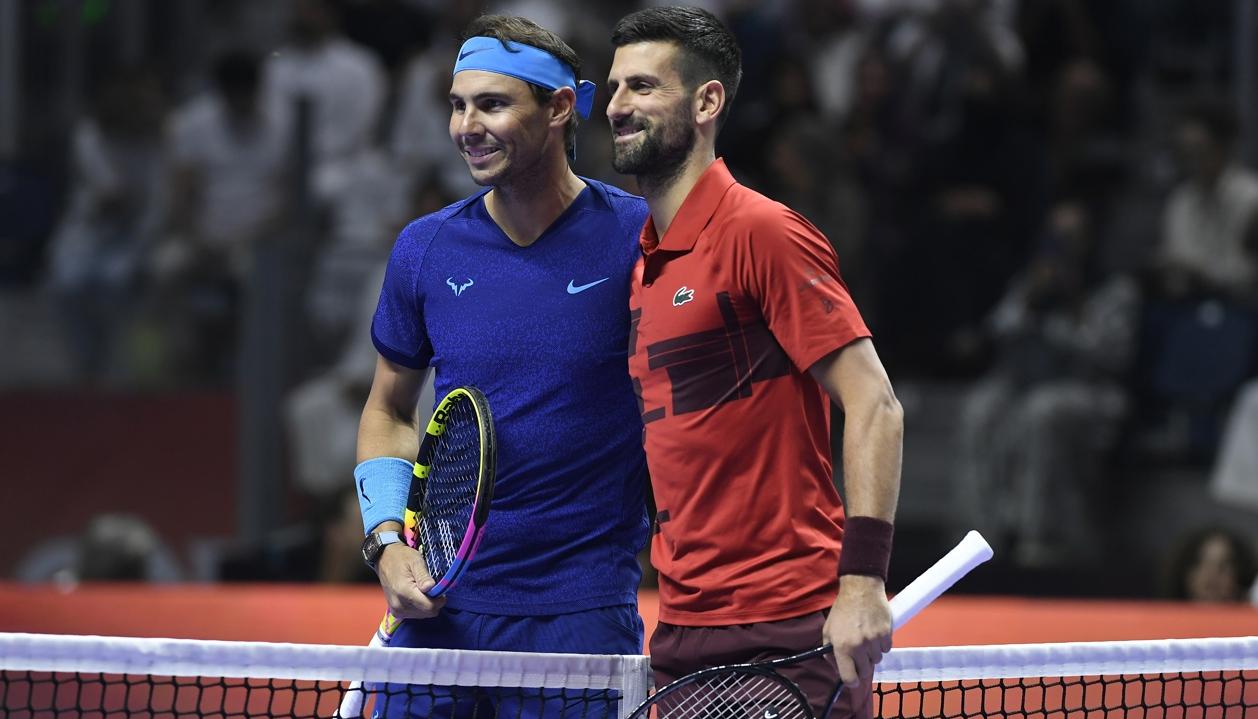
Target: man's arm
[(389, 428), (859, 625)]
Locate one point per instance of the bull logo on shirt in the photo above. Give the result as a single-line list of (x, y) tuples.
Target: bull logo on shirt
[(682, 296), (458, 288)]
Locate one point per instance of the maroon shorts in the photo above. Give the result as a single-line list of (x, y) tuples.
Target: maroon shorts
[(677, 651)]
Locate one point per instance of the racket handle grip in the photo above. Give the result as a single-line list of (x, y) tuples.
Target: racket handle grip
[(971, 552), (356, 696)]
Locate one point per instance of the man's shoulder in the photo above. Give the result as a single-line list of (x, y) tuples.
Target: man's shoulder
[(420, 232), (433, 222), (743, 201), (620, 201), (629, 210), (745, 211), (615, 192)]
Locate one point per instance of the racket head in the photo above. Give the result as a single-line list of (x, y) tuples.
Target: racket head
[(741, 691), (452, 485)]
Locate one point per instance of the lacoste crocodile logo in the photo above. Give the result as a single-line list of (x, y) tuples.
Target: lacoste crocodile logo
[(682, 296)]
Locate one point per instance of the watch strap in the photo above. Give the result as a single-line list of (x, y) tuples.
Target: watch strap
[(377, 542)]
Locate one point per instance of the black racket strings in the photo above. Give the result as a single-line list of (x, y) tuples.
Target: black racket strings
[(733, 695), (450, 491)]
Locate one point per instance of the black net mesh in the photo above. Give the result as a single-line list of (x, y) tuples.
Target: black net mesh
[(1194, 695), (73, 676), (1200, 695), (25, 694), (451, 488)]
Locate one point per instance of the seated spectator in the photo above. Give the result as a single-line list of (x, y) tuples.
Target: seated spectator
[(343, 81), (420, 122), (228, 153), (118, 547), (1034, 430), (98, 248), (1210, 217), (1202, 329), (355, 186), (110, 548), (370, 208), (972, 208), (1211, 565)]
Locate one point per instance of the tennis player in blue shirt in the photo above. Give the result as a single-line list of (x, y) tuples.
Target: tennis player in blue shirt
[(522, 291)]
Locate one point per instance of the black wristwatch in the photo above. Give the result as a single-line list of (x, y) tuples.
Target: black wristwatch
[(374, 544)]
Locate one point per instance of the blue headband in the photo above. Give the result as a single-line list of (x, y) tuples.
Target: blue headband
[(527, 63)]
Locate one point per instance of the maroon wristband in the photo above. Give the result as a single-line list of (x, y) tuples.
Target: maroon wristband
[(866, 547)]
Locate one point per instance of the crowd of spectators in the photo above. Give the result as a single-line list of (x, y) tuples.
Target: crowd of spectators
[(1041, 200)]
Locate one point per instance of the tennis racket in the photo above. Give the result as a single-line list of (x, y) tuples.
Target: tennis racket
[(759, 691), (452, 486)]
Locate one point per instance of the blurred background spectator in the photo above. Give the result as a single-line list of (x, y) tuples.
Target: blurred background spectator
[(1211, 565), (1035, 431), (1047, 210), (227, 152), (1234, 477), (96, 255), (1201, 325), (112, 547)]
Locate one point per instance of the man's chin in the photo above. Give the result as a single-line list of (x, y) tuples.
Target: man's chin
[(485, 178), (627, 164)]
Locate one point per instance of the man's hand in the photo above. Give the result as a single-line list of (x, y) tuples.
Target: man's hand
[(405, 579), (859, 627)]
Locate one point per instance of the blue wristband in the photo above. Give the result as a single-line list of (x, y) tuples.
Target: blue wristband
[(382, 485)]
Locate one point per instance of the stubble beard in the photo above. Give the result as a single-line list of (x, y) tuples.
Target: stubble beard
[(659, 157)]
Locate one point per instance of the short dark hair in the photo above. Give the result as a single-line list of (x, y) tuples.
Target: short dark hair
[(710, 49), (510, 28)]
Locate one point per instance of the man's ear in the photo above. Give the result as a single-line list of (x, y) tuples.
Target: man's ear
[(709, 102), (563, 103)]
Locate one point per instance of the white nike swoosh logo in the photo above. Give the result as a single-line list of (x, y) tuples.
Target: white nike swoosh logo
[(572, 290)]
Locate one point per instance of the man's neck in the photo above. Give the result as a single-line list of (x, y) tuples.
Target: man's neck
[(665, 196), (525, 209)]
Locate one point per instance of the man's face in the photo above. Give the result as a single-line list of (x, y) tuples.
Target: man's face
[(1213, 577), (650, 111), (497, 124)]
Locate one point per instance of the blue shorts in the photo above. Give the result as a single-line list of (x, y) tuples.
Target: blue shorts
[(605, 630)]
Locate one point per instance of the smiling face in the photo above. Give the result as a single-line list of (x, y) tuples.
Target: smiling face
[(501, 130), (651, 110)]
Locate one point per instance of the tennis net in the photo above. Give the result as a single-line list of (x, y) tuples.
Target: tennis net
[(87, 676), (1165, 679), (75, 676)]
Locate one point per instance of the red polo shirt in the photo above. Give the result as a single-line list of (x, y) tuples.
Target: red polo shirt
[(729, 310)]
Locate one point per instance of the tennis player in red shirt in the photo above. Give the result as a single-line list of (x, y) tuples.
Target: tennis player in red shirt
[(742, 332)]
